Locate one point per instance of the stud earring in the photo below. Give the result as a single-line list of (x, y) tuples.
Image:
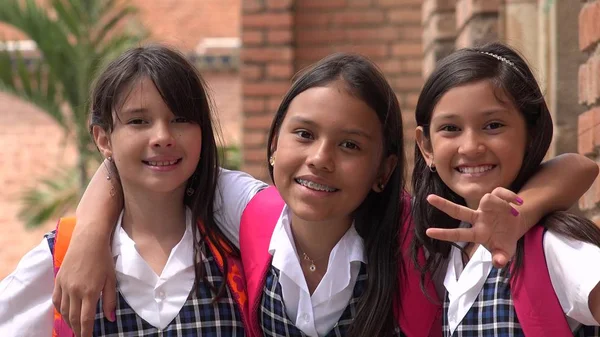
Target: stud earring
[(381, 186), (272, 160), (432, 167)]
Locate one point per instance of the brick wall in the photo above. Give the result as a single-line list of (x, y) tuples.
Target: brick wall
[(589, 92), (282, 36)]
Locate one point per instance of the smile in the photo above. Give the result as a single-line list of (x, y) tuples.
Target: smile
[(315, 186), (475, 169), (162, 163)]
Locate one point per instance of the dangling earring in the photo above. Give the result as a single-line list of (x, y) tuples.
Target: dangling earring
[(190, 190), (109, 158), (272, 160), (432, 167)]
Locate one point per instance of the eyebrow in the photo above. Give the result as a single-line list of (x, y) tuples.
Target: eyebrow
[(133, 111), (356, 132), (451, 115)]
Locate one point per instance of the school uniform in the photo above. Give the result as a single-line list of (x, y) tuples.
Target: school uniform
[(147, 304), (485, 301), (280, 302)]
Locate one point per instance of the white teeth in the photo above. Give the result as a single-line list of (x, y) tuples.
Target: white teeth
[(315, 186), (476, 169), (162, 163)]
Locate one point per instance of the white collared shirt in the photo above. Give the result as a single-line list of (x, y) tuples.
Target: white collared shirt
[(569, 265), (26, 294), (314, 315)]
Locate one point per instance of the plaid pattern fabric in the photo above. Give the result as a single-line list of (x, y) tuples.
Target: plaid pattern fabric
[(493, 313), (275, 322), (198, 317)]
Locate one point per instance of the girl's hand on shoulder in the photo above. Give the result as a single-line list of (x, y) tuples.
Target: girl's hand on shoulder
[(87, 270), (494, 224)]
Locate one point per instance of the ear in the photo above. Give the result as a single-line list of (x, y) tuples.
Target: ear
[(387, 168), (102, 141), (424, 145)]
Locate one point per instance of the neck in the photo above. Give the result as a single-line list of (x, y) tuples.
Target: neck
[(154, 215), (317, 239)]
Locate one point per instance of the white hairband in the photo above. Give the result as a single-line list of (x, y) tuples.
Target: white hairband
[(500, 58)]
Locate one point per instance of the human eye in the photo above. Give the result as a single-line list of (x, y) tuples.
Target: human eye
[(136, 121), (182, 120), (493, 126), (303, 134), (350, 145), (449, 128)]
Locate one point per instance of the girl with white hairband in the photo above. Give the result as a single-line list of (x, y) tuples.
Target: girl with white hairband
[(483, 128)]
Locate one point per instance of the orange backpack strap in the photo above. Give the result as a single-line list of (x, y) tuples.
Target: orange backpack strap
[(235, 272), (62, 238)]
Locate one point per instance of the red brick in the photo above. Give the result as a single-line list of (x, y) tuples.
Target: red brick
[(391, 66), (412, 66), (313, 20), (313, 53), (583, 83), (252, 37), (374, 51), (273, 104), (589, 25), (250, 6), (255, 155), (280, 36), (320, 36), (441, 26), (411, 33), (258, 122), (466, 9), (320, 4), (358, 17), (385, 33), (258, 170), (255, 138), (269, 20), (279, 4), (407, 49), (397, 3), (435, 6), (265, 88), (267, 54), (404, 15), (254, 105), (252, 72), (280, 71), (585, 143), (408, 82)]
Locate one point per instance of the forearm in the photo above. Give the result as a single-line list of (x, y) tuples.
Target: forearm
[(100, 205), (558, 185)]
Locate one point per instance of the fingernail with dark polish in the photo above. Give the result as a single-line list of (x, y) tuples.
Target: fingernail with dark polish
[(113, 317), (514, 211)]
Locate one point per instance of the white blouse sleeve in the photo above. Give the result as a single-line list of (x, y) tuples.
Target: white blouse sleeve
[(574, 268), (235, 189), (26, 295)]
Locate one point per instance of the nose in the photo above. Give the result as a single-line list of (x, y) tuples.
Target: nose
[(322, 156), (162, 135), (471, 143)]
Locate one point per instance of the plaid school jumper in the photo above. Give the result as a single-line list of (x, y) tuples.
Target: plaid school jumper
[(199, 316), (416, 315), (533, 312)]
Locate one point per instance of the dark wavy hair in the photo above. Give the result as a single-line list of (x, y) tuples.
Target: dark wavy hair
[(515, 79), (378, 218), (184, 91)]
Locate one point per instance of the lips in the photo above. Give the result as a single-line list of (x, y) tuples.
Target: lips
[(315, 186)]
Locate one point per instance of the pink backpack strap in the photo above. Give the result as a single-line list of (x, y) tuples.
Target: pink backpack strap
[(535, 301), (256, 228), (418, 315)]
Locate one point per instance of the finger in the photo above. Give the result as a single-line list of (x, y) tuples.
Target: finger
[(88, 314), (499, 258), (493, 203), (75, 315), (456, 211), (109, 298), (57, 296), (507, 195), (64, 308), (453, 235)]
